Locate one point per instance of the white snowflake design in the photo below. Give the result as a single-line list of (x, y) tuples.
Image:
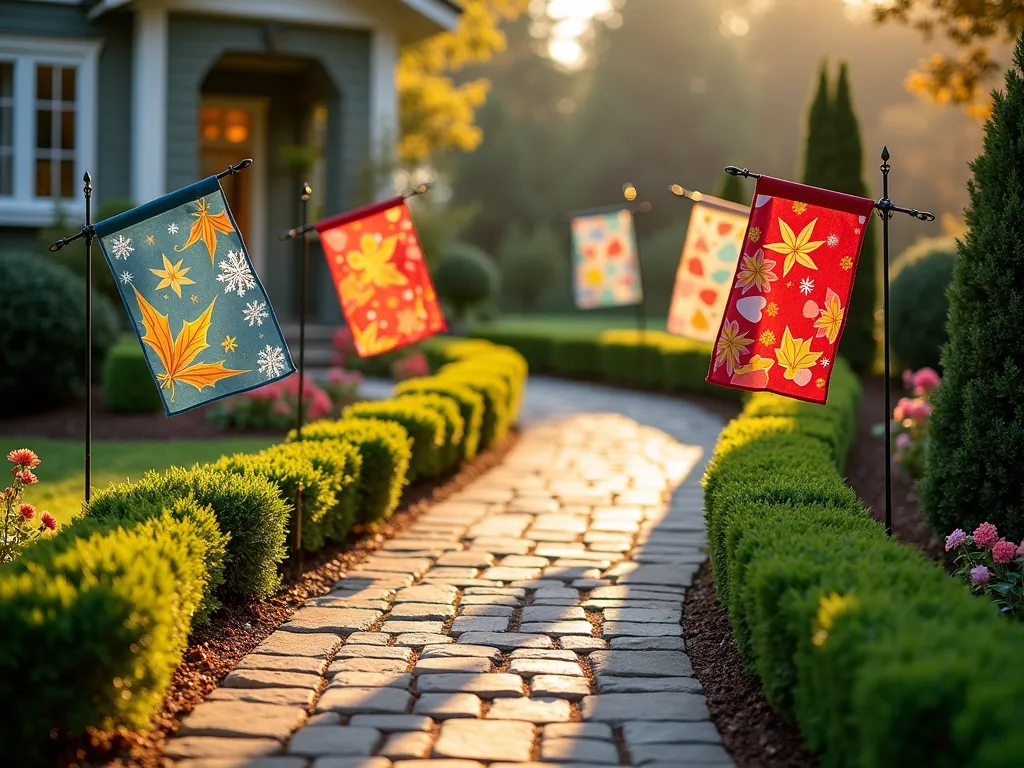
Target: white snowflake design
[(806, 286), (832, 240), (235, 274), (126, 277), (255, 313), (271, 361), (825, 362), (856, 230), (122, 247), (172, 228)]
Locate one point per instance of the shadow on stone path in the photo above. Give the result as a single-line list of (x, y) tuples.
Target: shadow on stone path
[(535, 618)]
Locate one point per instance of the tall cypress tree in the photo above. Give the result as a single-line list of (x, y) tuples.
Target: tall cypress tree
[(735, 190), (818, 146), (973, 462), (832, 160), (858, 344)]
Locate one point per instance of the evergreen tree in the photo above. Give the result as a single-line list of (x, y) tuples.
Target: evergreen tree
[(818, 144), (735, 189), (973, 462), (833, 159), (858, 345)]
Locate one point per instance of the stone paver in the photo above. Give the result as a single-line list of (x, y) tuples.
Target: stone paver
[(516, 572)]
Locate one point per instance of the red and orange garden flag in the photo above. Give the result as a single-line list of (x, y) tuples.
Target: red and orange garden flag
[(791, 291), (383, 284)]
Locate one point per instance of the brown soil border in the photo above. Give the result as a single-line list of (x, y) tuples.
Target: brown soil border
[(214, 650)]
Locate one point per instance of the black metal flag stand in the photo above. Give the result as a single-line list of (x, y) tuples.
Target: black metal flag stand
[(89, 236), (885, 208), (305, 194), (89, 233)]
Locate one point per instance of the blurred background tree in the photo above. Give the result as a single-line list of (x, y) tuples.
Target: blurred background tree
[(973, 28)]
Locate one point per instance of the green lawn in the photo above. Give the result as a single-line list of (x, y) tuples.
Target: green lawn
[(581, 322), (62, 474)]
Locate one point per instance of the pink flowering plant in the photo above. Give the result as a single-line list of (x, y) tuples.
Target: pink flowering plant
[(991, 565), (411, 366), (275, 405), (910, 421), (22, 523)]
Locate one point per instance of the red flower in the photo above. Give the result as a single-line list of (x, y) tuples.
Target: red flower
[(49, 521), (24, 457), (27, 511), (28, 477)]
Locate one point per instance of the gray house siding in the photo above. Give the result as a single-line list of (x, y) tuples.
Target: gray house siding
[(195, 44), (112, 176)]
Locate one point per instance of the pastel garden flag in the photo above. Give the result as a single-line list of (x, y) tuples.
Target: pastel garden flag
[(789, 298), (712, 248), (606, 266), (205, 323), (383, 284)]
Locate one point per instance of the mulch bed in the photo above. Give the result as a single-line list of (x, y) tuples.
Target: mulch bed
[(752, 732), (237, 629), (866, 472)]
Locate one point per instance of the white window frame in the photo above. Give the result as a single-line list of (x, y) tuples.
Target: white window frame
[(23, 208)]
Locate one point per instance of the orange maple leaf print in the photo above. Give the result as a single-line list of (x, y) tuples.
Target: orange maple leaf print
[(206, 226), (177, 353), (368, 343)]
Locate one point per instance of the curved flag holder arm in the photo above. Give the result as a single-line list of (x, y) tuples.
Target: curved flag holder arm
[(419, 189), (885, 208), (89, 229)]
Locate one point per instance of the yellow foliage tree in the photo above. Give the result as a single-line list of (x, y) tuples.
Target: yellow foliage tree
[(972, 26), (436, 113)]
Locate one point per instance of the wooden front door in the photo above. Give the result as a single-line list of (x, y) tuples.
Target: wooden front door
[(231, 129)]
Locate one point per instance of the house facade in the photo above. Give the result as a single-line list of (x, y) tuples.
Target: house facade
[(151, 95)]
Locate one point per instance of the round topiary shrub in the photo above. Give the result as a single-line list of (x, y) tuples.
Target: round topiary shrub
[(128, 385), (917, 301), (465, 277), (42, 333)]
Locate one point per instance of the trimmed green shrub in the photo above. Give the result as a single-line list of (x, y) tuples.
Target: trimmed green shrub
[(465, 278), (631, 357), (454, 424), (973, 459), (493, 387), (533, 266), (857, 637), (248, 508), (94, 626), (385, 448), (470, 404), (426, 429), (128, 385), (42, 333), (291, 469), (576, 356), (918, 306), (536, 348)]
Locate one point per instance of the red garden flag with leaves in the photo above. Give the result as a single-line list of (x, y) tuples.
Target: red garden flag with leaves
[(383, 284), (789, 298)]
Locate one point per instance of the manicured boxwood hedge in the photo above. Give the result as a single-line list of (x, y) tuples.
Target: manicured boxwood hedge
[(96, 619), (879, 657)]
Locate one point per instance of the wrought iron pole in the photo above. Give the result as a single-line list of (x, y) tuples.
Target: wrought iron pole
[(884, 207), (304, 196), (89, 234)]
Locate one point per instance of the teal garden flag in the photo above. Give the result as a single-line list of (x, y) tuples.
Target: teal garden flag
[(205, 323)]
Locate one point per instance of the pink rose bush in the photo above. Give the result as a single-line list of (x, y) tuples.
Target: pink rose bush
[(910, 421), (992, 565), (411, 366), (275, 406), (20, 524)]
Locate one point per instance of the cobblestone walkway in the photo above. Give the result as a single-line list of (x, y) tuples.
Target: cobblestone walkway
[(534, 619)]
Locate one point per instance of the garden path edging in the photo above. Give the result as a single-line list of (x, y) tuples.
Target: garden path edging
[(607, 670)]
